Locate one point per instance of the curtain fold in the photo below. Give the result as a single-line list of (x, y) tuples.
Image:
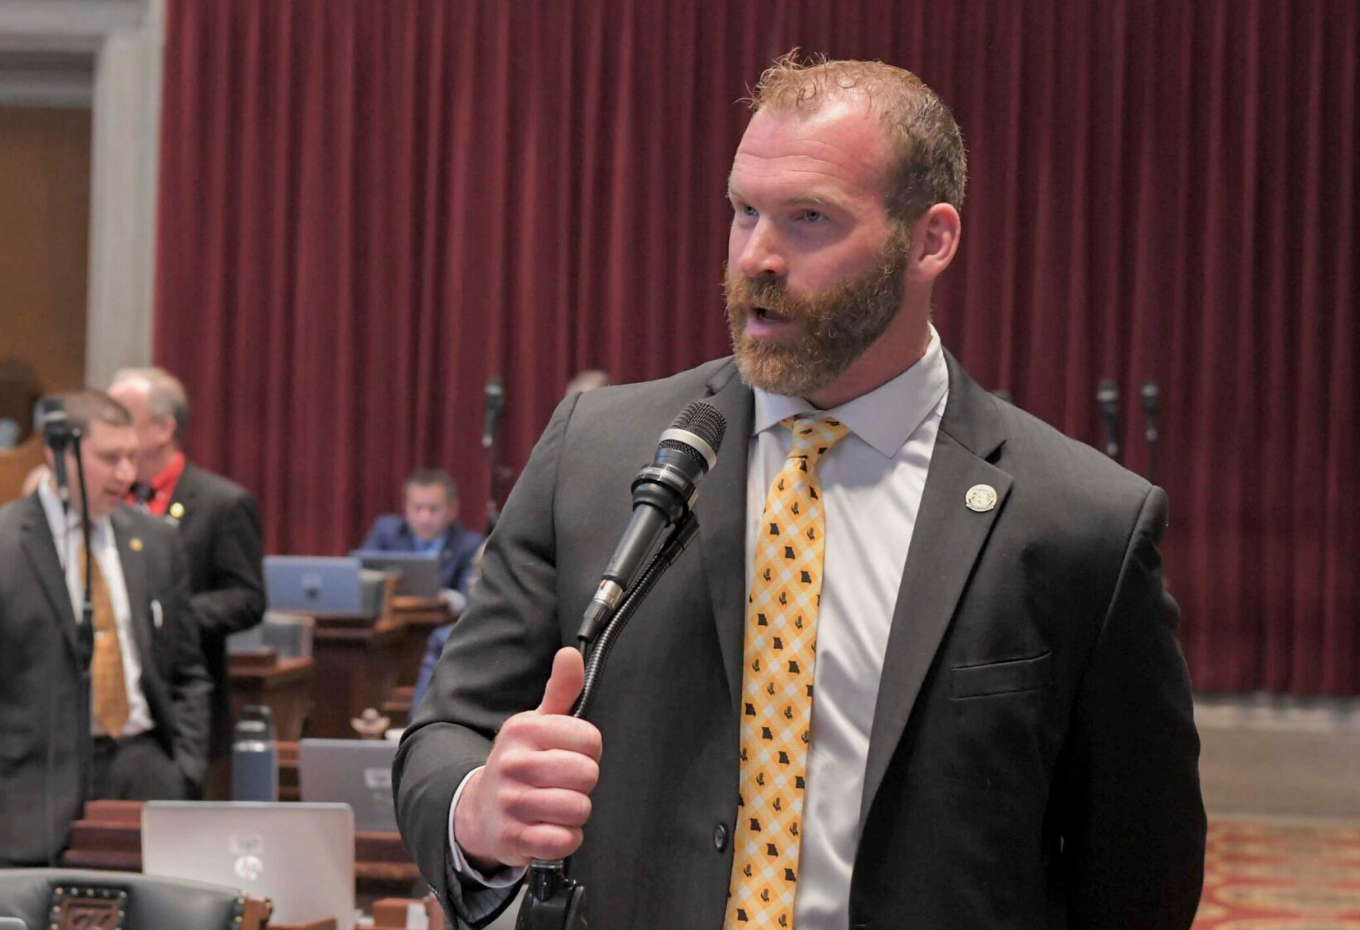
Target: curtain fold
[(369, 208)]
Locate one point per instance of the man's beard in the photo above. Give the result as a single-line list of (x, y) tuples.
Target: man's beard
[(837, 325)]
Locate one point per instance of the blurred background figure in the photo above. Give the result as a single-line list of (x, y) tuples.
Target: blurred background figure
[(429, 524), (148, 700), (588, 380), (217, 521)]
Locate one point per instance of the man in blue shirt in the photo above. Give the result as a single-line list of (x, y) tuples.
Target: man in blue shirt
[(430, 525)]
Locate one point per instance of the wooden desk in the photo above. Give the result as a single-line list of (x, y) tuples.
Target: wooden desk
[(420, 616), (282, 685), (357, 663), (109, 838)]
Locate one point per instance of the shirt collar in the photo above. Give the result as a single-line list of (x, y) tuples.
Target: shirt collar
[(61, 523), (885, 417)]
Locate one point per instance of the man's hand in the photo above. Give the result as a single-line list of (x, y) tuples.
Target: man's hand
[(533, 797)]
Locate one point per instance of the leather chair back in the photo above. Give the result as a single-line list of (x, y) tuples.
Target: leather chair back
[(65, 899)]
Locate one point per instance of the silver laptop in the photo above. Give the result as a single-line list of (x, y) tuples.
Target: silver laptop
[(357, 772), (300, 856), (419, 571), (316, 584)]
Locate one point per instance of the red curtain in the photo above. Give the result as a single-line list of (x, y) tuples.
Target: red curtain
[(369, 207)]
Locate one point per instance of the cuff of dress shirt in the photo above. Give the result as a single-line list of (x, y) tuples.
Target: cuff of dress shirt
[(506, 877)]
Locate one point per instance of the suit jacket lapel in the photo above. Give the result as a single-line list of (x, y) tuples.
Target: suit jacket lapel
[(722, 521), (183, 494), (945, 544), (133, 562), (41, 551)]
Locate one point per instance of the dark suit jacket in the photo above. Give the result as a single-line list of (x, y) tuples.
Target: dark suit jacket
[(1033, 757), (220, 529), (456, 555), (39, 673)]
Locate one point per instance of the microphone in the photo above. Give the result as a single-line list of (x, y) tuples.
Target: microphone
[(57, 434), (1151, 411), (495, 406), (1151, 397), (1107, 399), (663, 494)]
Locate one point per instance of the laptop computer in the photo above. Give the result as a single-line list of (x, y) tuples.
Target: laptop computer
[(300, 856), (317, 584), (419, 571), (357, 772)]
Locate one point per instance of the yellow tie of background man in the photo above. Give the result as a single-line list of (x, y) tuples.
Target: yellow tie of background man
[(106, 668), (776, 704)]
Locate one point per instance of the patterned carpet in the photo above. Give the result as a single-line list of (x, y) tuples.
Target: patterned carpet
[(1268, 874)]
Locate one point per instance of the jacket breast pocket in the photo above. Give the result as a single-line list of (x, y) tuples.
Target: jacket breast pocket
[(1011, 676), (998, 713)]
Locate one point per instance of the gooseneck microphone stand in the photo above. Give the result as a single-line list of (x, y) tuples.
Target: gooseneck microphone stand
[(1107, 402), (1151, 412), (85, 635), (554, 901)]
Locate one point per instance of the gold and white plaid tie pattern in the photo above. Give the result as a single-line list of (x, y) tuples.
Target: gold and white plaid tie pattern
[(776, 703), (107, 682)]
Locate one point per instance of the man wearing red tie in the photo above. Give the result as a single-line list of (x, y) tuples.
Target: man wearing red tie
[(216, 520)]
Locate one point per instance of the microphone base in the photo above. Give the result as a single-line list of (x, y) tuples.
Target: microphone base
[(553, 901)]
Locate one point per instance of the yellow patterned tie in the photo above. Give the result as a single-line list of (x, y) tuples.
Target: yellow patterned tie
[(776, 718), (107, 683)]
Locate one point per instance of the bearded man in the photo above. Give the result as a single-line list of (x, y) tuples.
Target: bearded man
[(922, 671)]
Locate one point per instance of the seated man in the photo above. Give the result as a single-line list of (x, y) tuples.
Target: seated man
[(146, 710), (430, 525)]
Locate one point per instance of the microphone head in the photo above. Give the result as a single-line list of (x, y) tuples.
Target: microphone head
[(495, 392), (1107, 393), (53, 422), (698, 421), (1150, 393)]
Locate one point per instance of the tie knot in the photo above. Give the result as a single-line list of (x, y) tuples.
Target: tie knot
[(813, 437)]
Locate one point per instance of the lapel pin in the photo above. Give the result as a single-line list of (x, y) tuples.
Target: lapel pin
[(176, 510), (981, 498), (135, 544)]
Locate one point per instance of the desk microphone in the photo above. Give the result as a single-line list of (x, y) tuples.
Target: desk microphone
[(1107, 399), (495, 406)]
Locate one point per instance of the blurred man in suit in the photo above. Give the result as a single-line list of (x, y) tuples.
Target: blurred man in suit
[(430, 525), (921, 670), (148, 690), (217, 522)]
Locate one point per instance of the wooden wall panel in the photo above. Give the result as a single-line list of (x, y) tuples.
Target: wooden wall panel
[(44, 258)]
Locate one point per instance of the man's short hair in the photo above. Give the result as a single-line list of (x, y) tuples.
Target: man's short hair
[(930, 165), (165, 395), (90, 405), (427, 477)]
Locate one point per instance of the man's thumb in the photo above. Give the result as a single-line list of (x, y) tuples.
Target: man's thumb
[(568, 675)]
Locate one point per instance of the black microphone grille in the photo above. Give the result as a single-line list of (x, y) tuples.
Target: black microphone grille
[(1107, 392), (703, 420)]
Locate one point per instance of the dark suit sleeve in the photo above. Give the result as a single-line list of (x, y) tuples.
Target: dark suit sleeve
[(1134, 820), (190, 686), (467, 561), (236, 599), (375, 538), (497, 660)]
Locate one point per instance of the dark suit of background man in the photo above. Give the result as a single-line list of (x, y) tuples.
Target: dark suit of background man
[(1000, 731), (149, 694), (216, 519), (430, 525)]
